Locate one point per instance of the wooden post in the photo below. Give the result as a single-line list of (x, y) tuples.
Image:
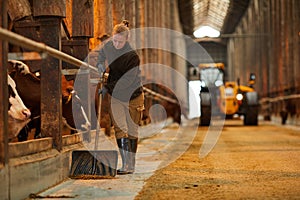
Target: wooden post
[(67, 22), (142, 25), (49, 15), (130, 12), (82, 30), (103, 20), (51, 103), (118, 7), (166, 24), (3, 90), (82, 18), (79, 48)]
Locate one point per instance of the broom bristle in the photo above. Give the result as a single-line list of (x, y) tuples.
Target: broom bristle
[(86, 176)]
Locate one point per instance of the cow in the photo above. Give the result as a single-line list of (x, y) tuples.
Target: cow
[(18, 113), (28, 81), (16, 108)]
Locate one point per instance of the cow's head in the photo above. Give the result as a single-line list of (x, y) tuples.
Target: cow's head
[(17, 109), (73, 111)]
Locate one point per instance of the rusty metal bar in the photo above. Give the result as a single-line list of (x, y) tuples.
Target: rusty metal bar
[(26, 56), (280, 98), (155, 94), (41, 47)]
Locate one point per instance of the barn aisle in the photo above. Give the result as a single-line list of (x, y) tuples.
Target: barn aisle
[(149, 158)]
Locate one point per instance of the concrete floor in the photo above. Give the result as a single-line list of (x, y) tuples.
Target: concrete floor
[(121, 186), (162, 144)]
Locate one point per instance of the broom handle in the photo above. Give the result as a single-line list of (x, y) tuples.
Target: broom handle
[(99, 115)]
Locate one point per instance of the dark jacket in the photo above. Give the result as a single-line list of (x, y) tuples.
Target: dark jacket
[(124, 80)]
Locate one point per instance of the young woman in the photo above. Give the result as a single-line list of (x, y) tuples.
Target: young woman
[(125, 90)]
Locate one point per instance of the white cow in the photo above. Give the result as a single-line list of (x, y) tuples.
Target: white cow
[(17, 109)]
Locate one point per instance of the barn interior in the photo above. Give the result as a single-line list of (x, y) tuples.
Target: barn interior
[(255, 36)]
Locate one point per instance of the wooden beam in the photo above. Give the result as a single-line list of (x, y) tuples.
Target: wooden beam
[(67, 21), (118, 8), (130, 13), (103, 21), (18, 9), (49, 8), (3, 89), (104, 17), (82, 18), (51, 103), (41, 47)]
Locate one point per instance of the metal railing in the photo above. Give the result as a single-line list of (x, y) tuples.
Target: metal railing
[(22, 41)]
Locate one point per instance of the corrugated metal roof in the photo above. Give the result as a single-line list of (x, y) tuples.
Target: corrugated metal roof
[(222, 15)]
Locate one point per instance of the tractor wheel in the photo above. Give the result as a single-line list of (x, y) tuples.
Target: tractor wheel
[(205, 115), (251, 116)]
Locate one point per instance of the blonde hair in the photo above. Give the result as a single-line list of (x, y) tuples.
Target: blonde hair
[(122, 29)]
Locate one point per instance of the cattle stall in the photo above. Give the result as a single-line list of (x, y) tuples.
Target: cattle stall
[(43, 162), (72, 28)]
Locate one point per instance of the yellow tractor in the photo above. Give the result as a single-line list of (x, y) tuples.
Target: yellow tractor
[(219, 98)]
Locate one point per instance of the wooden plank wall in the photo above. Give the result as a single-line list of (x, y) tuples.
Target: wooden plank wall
[(272, 41), (269, 47), (82, 18), (118, 9), (103, 21)]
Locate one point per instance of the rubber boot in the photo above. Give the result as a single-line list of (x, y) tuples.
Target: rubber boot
[(124, 148), (133, 146)]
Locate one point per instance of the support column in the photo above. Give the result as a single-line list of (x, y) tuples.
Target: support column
[(103, 20), (3, 90), (83, 29), (51, 103), (49, 14), (4, 168), (118, 8), (130, 12)]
